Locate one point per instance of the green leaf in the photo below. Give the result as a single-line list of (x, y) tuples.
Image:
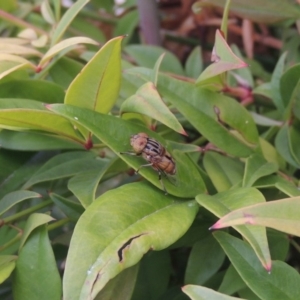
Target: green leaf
[(127, 24), (65, 45), (7, 265), (256, 167), (194, 63), (147, 219), (146, 56), (207, 111), (15, 197), (288, 82), (284, 147), (64, 71), (70, 208), (283, 282), (37, 259), (275, 83), (84, 184), (279, 214), (66, 20), (205, 260), (223, 60), (35, 220), (121, 287), (223, 171), (261, 11), (147, 101), (40, 90), (270, 154), (98, 92), (153, 277), (202, 293), (155, 71), (232, 282), (65, 165), (38, 120), (35, 141), (226, 202), (115, 133)]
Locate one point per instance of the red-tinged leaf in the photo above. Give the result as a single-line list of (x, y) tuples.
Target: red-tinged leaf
[(225, 202), (282, 215), (224, 60), (283, 282)]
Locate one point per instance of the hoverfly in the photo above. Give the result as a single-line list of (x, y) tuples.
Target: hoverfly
[(153, 152)]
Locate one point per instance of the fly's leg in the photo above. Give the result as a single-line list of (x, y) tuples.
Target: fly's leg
[(142, 166), (161, 182)]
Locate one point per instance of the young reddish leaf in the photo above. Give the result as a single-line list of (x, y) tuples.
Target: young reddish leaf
[(225, 202), (224, 60), (282, 215)]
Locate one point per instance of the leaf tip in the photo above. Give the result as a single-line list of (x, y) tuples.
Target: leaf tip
[(217, 225), (183, 132)]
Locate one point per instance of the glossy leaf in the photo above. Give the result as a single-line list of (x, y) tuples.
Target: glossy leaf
[(205, 260), (284, 147), (64, 45), (97, 85), (153, 277), (202, 293), (40, 90), (226, 202), (14, 198), (35, 220), (146, 219), (146, 56), (35, 141), (115, 133), (64, 165), (70, 208), (194, 63), (288, 82), (37, 259), (278, 214), (223, 60), (261, 11), (66, 20), (127, 24), (121, 287), (223, 171), (265, 285), (7, 265), (232, 282), (64, 71), (256, 167), (84, 184), (275, 83), (206, 111), (147, 101), (38, 120)]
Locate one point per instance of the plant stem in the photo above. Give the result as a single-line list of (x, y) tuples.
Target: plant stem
[(19, 23), (27, 211), (58, 224)]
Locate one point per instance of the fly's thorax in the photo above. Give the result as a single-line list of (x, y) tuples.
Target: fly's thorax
[(154, 148)]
